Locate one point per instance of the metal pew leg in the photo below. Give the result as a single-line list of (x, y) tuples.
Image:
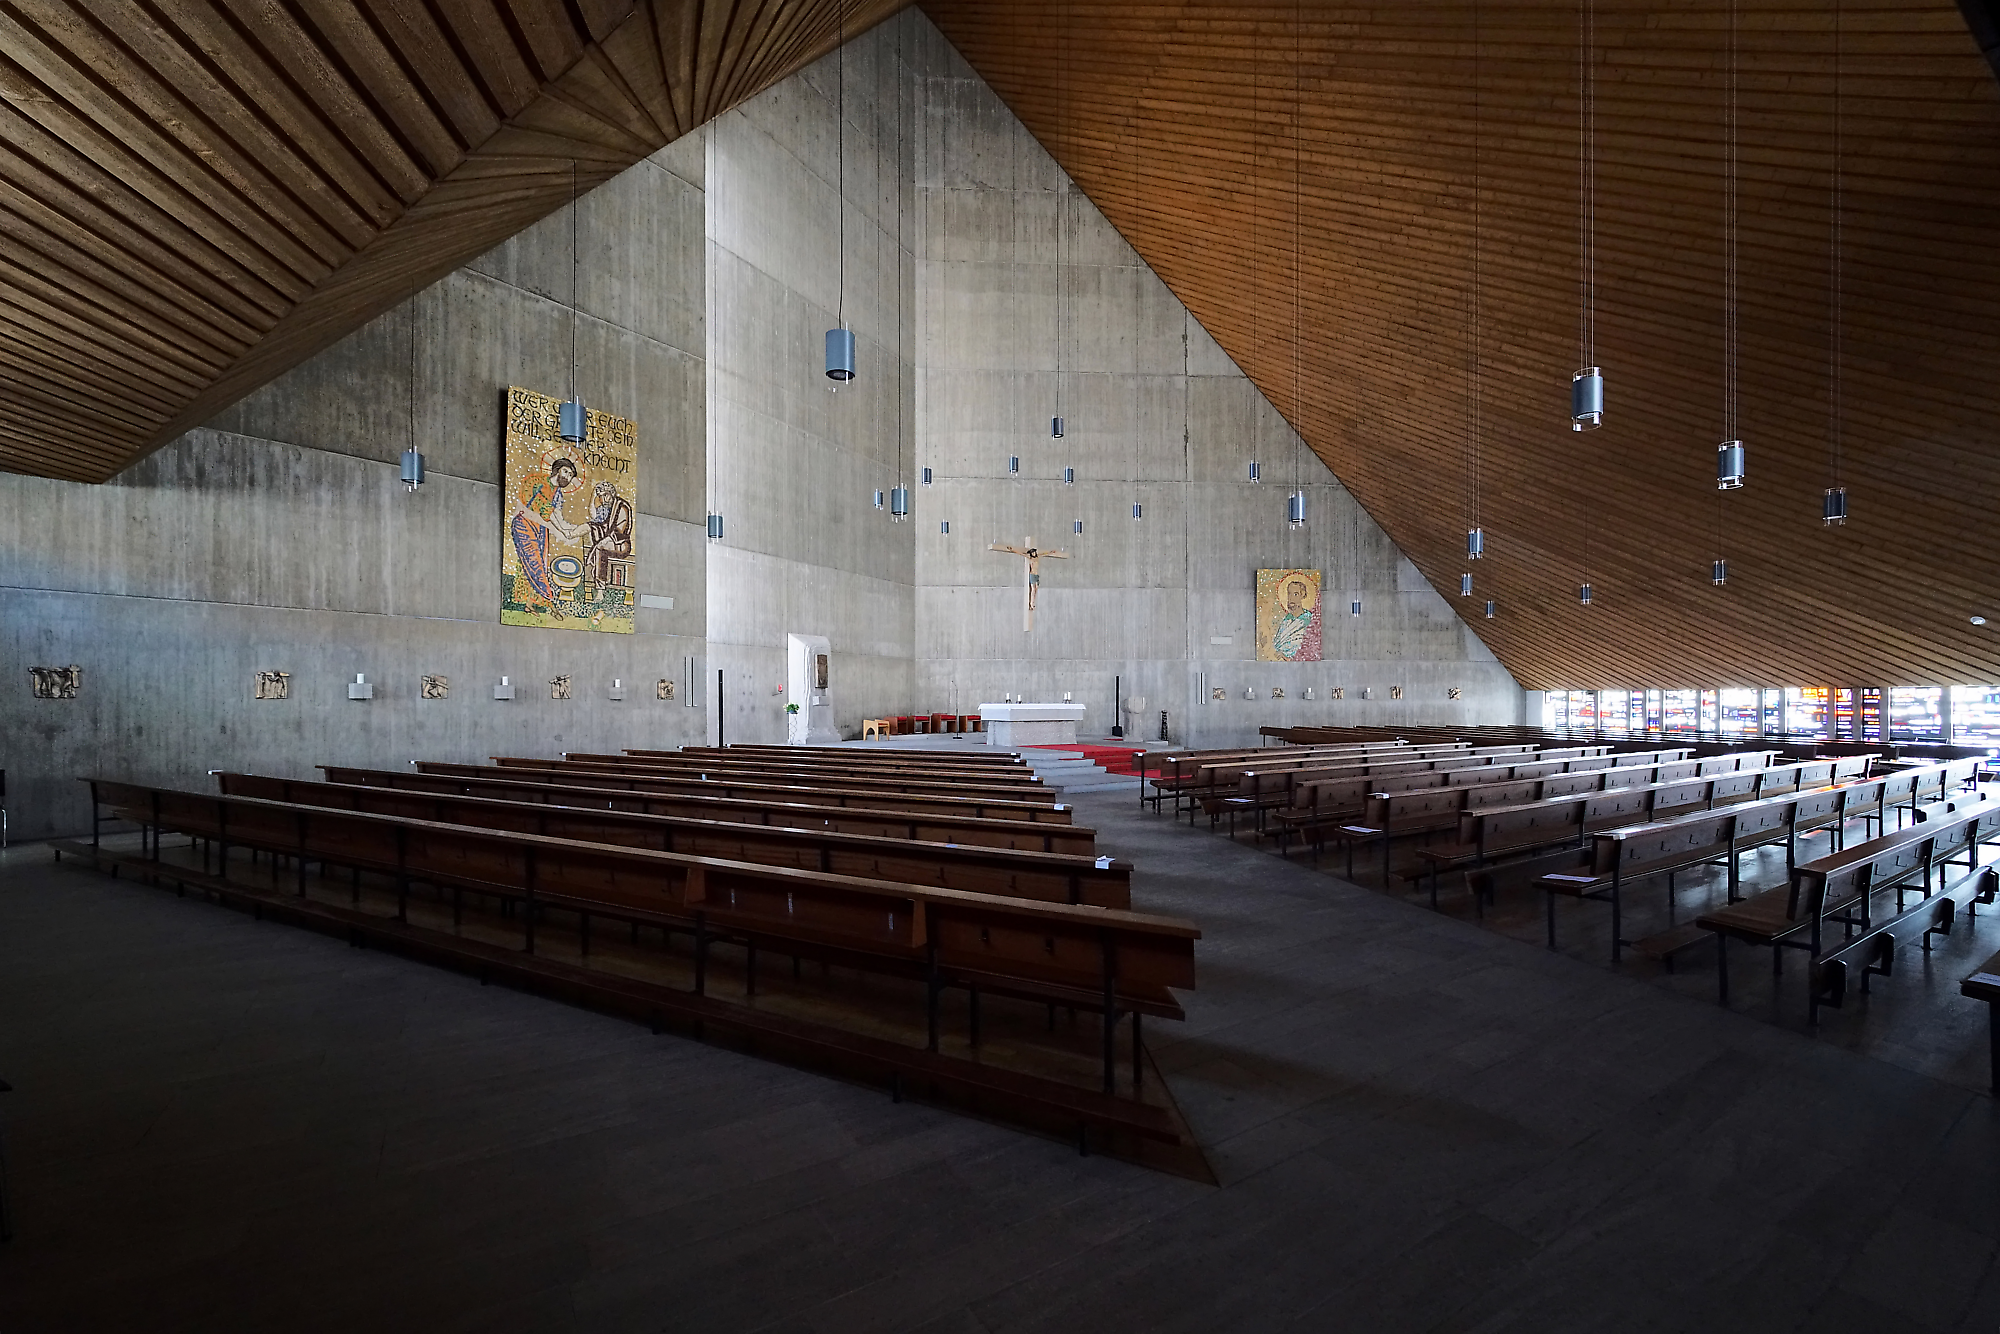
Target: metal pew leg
[(1993, 1041)]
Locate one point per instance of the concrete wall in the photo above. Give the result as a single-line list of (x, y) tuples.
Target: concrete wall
[(1157, 414), (278, 537), (797, 463)]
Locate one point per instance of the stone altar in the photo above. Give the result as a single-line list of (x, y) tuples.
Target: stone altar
[(1011, 725)]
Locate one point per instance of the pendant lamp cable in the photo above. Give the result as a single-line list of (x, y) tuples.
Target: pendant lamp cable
[(1836, 327), (1729, 261), (840, 152), (1472, 310), (1586, 194), (572, 278), (1256, 211), (1298, 210), (897, 79), (1068, 143)]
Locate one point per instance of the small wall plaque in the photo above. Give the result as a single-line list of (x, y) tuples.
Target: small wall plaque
[(1338, 692), (1453, 693), (559, 687), (664, 690), (274, 685), (1218, 694), (57, 682), (434, 687), (1277, 692), (1395, 692)]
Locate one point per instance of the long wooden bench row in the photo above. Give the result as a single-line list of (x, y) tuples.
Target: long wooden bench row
[(1322, 805), (1842, 890), (1266, 788), (1485, 831), (1027, 835), (1619, 857), (889, 783), (1116, 962), (1051, 877), (972, 755), (1044, 812), (1259, 792), (1170, 773), (817, 766)]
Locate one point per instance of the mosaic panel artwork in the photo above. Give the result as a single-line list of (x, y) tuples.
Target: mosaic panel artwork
[(1288, 616), (567, 559)]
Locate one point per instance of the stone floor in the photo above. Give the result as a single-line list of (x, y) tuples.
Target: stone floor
[(1419, 1124)]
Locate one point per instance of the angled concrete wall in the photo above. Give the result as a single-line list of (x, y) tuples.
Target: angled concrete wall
[(279, 538), (1156, 415), (797, 464)]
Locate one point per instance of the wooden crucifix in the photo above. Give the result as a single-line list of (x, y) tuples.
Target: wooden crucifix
[(1034, 574)]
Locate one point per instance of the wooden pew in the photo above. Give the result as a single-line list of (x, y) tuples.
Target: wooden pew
[(1177, 769), (1041, 812), (1326, 803), (1984, 984), (1117, 963), (1620, 856), (1002, 791), (1499, 829), (1025, 835), (1841, 888), (1050, 877), (972, 757), (949, 773), (1257, 791)]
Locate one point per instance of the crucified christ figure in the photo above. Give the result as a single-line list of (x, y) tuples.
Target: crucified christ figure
[(1034, 574)]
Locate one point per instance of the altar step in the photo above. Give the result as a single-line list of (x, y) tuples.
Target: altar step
[(1073, 771)]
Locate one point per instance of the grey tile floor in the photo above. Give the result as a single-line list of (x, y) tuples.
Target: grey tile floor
[(1419, 1124)]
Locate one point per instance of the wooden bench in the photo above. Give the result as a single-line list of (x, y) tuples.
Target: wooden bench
[(945, 764), (998, 788), (1120, 963), (1667, 847), (1841, 888), (1984, 984), (983, 756), (1025, 835), (1103, 882), (1872, 952), (1498, 830), (981, 807)]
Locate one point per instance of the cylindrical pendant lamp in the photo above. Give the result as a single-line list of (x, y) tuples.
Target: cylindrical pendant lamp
[(1729, 465), (715, 527), (1586, 399), (1583, 594), (575, 421), (1055, 428), (840, 355), (899, 503), (1833, 506), (413, 469), (1475, 543), (1491, 608), (1465, 585), (1719, 572), (1295, 509)]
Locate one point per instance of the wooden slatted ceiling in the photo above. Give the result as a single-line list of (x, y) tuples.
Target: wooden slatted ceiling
[(197, 195), (1179, 125)]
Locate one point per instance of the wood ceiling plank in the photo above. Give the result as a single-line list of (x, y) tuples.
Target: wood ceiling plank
[(1161, 134), (94, 70)]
